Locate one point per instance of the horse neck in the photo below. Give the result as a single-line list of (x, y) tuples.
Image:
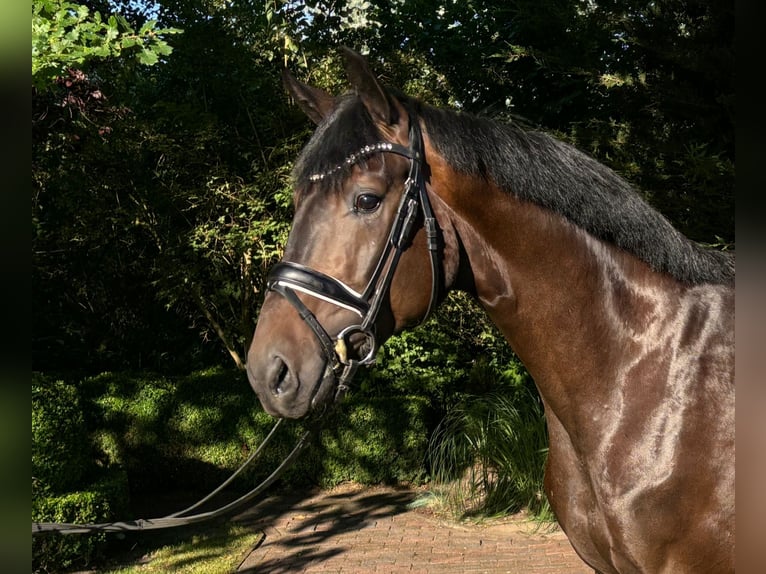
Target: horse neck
[(567, 303)]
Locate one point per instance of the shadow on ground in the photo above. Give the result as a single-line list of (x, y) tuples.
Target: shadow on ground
[(299, 529)]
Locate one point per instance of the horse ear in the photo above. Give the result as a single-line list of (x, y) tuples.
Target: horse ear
[(375, 97), (316, 103)]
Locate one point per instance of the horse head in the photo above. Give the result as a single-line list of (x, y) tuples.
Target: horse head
[(362, 257)]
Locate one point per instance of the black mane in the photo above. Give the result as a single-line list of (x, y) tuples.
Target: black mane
[(535, 167)]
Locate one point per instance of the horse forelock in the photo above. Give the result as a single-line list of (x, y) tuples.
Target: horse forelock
[(346, 130)]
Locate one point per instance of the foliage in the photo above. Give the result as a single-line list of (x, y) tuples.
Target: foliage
[(161, 195), (103, 500), (191, 432), (439, 360), (61, 463), (162, 436), (180, 432), (152, 255), (489, 453), (59, 444), (66, 35), (378, 440), (634, 84)]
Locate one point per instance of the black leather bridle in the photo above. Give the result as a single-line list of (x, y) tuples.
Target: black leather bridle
[(287, 278)]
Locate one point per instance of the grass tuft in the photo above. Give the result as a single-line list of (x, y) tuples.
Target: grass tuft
[(488, 457)]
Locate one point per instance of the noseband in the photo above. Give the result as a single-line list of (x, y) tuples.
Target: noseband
[(287, 278)]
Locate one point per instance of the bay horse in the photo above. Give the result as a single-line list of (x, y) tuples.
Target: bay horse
[(625, 325)]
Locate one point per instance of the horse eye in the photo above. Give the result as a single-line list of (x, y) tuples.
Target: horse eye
[(366, 202)]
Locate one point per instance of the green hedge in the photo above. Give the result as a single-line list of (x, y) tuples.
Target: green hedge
[(103, 501), (68, 484), (60, 453), (376, 440), (191, 432), (96, 440), (171, 434)]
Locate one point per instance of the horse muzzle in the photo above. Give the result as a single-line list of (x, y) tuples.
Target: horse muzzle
[(291, 389)]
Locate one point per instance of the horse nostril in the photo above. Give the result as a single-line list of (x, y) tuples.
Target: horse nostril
[(281, 378), (282, 381)]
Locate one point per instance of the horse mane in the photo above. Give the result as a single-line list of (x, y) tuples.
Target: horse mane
[(534, 167)]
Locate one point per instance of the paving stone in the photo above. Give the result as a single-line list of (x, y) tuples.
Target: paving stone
[(360, 530)]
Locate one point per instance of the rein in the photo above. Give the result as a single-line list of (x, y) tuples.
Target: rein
[(287, 277), (182, 517)]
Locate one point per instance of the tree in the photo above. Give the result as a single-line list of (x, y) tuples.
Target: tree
[(66, 35), (647, 88), (144, 207), (161, 194), (74, 212)]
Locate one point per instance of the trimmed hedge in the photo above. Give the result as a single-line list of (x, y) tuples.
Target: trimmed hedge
[(120, 433), (103, 501), (60, 453), (376, 440), (192, 432), (61, 465)]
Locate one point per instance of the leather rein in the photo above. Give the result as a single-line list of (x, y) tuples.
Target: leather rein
[(286, 278), (184, 517)]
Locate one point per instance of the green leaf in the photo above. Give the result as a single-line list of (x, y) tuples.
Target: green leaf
[(163, 48), (148, 57), (129, 42)]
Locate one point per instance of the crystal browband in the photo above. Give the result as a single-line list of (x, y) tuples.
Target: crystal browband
[(366, 151)]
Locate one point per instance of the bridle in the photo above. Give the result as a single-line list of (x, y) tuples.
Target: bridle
[(287, 278)]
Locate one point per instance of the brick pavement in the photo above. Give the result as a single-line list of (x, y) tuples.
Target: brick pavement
[(374, 530)]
